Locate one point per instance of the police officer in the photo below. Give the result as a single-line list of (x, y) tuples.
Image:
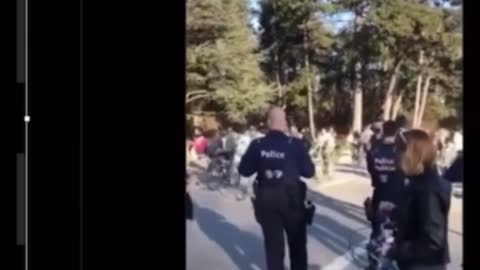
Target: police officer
[(279, 161), (388, 182)]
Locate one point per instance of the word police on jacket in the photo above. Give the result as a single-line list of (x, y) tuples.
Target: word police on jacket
[(272, 154)]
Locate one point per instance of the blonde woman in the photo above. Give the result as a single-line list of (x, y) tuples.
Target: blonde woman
[(422, 242)]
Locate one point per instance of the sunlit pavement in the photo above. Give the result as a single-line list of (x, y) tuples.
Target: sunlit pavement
[(225, 236)]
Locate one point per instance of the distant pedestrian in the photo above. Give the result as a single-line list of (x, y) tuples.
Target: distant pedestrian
[(448, 154), (243, 140), (356, 146), (200, 142), (329, 153), (458, 140)]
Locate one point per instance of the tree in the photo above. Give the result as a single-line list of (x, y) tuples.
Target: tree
[(222, 62), (294, 40), (407, 36)]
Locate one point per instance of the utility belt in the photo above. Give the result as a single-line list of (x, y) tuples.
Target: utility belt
[(295, 193)]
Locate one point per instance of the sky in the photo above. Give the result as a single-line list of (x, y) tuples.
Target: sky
[(336, 22)]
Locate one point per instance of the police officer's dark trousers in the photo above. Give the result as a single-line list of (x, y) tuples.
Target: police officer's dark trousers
[(280, 210), (375, 222)]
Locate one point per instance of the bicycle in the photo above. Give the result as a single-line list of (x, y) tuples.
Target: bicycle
[(375, 251)]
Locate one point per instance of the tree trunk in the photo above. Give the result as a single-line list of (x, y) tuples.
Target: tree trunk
[(195, 95), (358, 99), (418, 91), (387, 105), (417, 100), (278, 68), (396, 106), (426, 86), (277, 77), (311, 119), (358, 92)]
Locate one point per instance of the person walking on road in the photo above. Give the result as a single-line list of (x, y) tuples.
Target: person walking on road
[(328, 155), (279, 203), (242, 142)]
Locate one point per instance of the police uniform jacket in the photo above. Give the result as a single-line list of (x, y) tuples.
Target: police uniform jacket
[(277, 159), (388, 181)]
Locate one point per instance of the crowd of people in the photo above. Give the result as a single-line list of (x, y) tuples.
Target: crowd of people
[(223, 149)]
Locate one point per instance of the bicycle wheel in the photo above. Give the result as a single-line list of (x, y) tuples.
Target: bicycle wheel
[(358, 249)]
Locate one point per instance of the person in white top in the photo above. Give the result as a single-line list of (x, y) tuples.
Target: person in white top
[(448, 155), (324, 149), (366, 136), (254, 133), (243, 140), (329, 151), (458, 140)]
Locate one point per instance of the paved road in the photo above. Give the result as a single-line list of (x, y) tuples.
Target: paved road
[(225, 236)]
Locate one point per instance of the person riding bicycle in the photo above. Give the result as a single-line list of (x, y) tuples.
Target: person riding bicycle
[(220, 154)]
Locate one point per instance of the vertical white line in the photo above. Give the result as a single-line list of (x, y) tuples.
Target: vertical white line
[(27, 253), (81, 138)]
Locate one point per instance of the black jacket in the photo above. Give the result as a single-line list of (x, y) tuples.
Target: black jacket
[(188, 207), (423, 234), (276, 152), (454, 174), (216, 148), (388, 181)]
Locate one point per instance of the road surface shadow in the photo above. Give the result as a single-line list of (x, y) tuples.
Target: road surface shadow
[(335, 236), (356, 172), (351, 168), (349, 210), (244, 248)]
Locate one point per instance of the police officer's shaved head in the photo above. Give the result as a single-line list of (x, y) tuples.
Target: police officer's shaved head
[(277, 119)]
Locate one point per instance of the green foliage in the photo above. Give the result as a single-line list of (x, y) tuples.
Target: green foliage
[(222, 59), (241, 73), (291, 31)]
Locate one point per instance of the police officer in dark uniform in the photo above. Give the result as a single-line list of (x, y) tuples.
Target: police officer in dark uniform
[(279, 161), (389, 184)]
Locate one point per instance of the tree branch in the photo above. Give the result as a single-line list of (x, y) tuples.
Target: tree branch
[(199, 96), (196, 92)]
